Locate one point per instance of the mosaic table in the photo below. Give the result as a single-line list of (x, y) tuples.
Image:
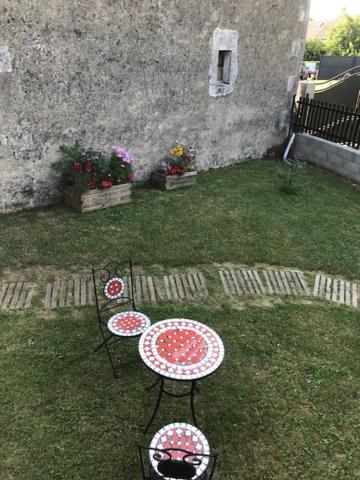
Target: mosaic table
[(181, 436), (183, 350)]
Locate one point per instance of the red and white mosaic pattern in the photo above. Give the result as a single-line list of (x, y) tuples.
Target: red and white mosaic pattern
[(181, 349), (114, 288), (184, 436), (128, 324)]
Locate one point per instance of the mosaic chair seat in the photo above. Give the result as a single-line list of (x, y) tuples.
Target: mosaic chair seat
[(177, 451), (115, 305)]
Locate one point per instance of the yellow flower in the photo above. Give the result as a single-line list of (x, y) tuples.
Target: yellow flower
[(177, 151)]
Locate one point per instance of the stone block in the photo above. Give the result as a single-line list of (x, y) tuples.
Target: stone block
[(224, 41), (352, 167), (297, 47), (5, 59)]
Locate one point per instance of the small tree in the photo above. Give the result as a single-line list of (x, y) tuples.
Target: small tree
[(287, 172), (344, 38), (313, 49)]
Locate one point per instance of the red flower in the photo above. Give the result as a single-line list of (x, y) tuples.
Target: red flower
[(106, 184), (174, 170), (88, 167), (131, 176)]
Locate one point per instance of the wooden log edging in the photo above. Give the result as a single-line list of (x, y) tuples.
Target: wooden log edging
[(240, 282), (337, 290), (73, 292), (244, 281), (16, 295), (79, 291)]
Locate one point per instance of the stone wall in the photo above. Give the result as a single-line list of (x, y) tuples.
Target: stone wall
[(329, 155), (136, 73)]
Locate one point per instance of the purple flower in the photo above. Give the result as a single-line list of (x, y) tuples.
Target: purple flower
[(164, 165), (123, 154)]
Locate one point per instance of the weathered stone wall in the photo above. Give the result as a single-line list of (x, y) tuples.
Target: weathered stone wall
[(136, 73)]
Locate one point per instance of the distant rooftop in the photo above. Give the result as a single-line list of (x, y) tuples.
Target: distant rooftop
[(320, 29)]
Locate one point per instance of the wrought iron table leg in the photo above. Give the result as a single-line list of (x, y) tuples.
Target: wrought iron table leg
[(161, 389), (154, 384), (192, 393)]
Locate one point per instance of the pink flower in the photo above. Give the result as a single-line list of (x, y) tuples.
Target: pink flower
[(123, 154)]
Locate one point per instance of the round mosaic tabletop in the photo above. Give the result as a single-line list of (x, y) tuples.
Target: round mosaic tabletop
[(128, 324), (186, 437), (181, 349)]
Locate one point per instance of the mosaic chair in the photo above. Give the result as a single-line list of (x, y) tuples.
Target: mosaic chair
[(177, 451), (115, 305)]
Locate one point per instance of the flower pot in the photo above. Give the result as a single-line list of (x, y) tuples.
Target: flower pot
[(98, 199), (169, 182)]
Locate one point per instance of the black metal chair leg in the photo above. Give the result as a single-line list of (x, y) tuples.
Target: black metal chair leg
[(192, 393), (102, 344), (157, 404), (112, 364)]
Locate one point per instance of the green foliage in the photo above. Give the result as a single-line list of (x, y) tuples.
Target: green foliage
[(89, 169), (70, 154), (287, 173), (344, 38), (313, 49), (76, 154), (120, 172)]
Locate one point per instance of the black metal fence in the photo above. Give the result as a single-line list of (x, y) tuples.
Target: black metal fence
[(336, 123)]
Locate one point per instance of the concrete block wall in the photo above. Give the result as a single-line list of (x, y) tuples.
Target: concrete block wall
[(329, 155)]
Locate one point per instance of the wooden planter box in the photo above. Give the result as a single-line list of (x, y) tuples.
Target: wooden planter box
[(98, 199), (169, 182)]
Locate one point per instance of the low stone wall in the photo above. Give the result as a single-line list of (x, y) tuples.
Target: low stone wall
[(335, 157)]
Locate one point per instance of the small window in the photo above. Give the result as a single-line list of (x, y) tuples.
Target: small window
[(224, 64)]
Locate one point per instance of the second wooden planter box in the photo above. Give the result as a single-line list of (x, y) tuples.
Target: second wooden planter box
[(98, 199), (169, 182)]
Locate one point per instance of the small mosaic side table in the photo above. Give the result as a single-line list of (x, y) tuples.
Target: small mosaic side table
[(182, 350), (181, 436)]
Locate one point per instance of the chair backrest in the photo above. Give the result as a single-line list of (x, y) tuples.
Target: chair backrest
[(174, 463), (113, 286), (176, 469)]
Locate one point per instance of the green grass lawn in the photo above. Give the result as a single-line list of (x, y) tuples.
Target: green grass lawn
[(235, 214), (285, 403)]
